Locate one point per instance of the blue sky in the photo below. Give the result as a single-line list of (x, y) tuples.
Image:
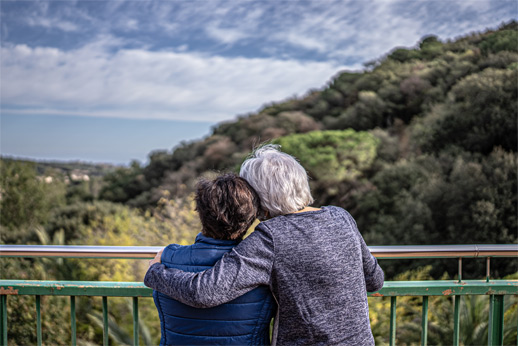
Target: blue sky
[(110, 81)]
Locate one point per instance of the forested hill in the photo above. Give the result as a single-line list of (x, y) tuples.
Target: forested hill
[(420, 147)]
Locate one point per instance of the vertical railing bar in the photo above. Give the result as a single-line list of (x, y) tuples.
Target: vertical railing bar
[(496, 320), (105, 321), (460, 269), (424, 322), (488, 262), (4, 319), (490, 322), (38, 320), (392, 321), (73, 319), (3, 299), (501, 313), (456, 320), (135, 322)]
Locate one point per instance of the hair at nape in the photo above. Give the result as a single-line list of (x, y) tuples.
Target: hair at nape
[(278, 178)]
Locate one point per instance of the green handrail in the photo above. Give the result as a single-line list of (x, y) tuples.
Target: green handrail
[(496, 289), (138, 289)]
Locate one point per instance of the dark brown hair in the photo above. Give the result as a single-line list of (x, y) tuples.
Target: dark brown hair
[(227, 206)]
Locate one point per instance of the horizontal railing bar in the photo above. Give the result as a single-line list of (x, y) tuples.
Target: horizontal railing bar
[(137, 289), (79, 251), (447, 288), (75, 288), (148, 252), (444, 251)]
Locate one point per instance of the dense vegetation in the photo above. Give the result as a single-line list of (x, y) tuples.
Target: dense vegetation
[(421, 148)]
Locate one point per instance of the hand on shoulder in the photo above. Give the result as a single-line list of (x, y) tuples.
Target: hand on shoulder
[(157, 258)]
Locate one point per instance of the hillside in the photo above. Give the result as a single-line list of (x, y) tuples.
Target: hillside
[(420, 147)]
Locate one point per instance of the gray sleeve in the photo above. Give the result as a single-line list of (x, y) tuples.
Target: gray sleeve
[(373, 273), (244, 268)]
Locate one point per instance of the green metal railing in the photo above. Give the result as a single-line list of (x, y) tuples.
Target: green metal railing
[(495, 289), (73, 289)]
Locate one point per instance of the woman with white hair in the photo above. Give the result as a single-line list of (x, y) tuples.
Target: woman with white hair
[(314, 260)]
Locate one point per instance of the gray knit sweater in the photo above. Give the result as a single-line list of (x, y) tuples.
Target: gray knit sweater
[(317, 265)]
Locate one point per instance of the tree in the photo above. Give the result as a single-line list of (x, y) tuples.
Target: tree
[(124, 184), (430, 47), (335, 160), (367, 113), (479, 115), (25, 199), (503, 40), (449, 199), (404, 54)]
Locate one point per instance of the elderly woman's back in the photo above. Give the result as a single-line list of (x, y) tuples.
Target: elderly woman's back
[(321, 272)]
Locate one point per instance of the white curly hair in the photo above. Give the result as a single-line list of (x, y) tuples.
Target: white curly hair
[(279, 179)]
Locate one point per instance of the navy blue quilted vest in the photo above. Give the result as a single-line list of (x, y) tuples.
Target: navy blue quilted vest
[(243, 321)]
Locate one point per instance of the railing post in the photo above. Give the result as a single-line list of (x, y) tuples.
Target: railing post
[(488, 273), (456, 320), (392, 340), (456, 311), (105, 321), (496, 320), (135, 321), (73, 319), (3, 307), (424, 322), (38, 320), (460, 269)]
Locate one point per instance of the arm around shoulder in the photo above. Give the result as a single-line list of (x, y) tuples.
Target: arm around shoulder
[(176, 284), (245, 267)]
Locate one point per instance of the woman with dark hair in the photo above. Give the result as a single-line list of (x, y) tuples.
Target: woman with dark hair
[(227, 207), (314, 260)]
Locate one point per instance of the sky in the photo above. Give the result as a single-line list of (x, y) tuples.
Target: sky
[(112, 81)]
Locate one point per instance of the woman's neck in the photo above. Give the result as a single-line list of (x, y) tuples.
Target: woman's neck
[(306, 209)]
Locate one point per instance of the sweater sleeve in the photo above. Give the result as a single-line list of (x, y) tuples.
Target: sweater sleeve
[(245, 267), (374, 277)]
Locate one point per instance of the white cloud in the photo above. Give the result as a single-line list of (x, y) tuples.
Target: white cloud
[(52, 23), (303, 41), (225, 35), (129, 24), (228, 23), (137, 83)]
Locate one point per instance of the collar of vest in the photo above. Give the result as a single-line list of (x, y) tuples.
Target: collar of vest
[(200, 238)]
